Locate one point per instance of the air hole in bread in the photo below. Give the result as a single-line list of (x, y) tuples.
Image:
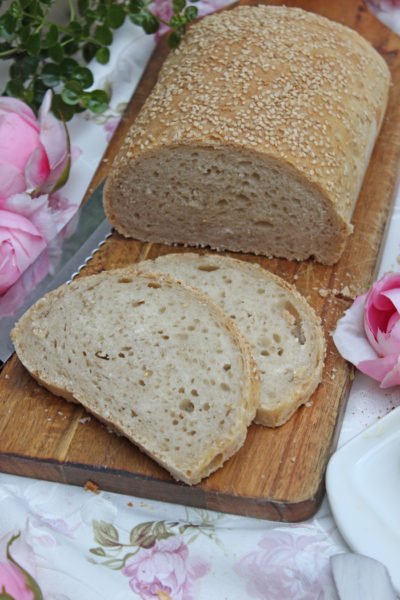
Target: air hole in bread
[(277, 337), (226, 367), (206, 406), (162, 310), (194, 393), (187, 406), (264, 353), (125, 280), (181, 390), (263, 223), (292, 316), (154, 285), (141, 382), (137, 303), (225, 387), (133, 413), (208, 268), (261, 291)]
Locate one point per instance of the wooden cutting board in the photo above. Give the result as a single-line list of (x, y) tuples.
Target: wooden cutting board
[(278, 474)]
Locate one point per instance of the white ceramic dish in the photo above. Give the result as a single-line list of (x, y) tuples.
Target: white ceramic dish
[(363, 487)]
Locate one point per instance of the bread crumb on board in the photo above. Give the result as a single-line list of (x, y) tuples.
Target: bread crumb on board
[(85, 420), (90, 486)]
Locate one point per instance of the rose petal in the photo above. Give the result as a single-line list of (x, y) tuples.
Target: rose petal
[(17, 140), (13, 105), (38, 211), (394, 297), (388, 343), (20, 244), (349, 336), (379, 368), (379, 308), (37, 168), (393, 377), (53, 135), (12, 181), (8, 267)]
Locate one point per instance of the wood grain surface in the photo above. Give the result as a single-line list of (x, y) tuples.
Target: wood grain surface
[(278, 474)]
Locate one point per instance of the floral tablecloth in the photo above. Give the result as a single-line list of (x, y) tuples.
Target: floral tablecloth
[(84, 545)]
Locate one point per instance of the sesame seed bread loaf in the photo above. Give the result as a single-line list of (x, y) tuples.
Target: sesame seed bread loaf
[(255, 138), (284, 333), (152, 358)]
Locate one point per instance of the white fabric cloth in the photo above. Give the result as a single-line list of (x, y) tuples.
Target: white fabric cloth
[(80, 545)]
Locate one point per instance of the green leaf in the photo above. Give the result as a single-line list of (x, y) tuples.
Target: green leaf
[(135, 6), (89, 51), (72, 92), (68, 66), (50, 75), (190, 13), (75, 28), (83, 5), (105, 534), (98, 551), (174, 39), (103, 55), (51, 37), (9, 22), (16, 8), (83, 76), (96, 101), (150, 23), (140, 532), (103, 35), (61, 109), (115, 16), (25, 33), (15, 88), (178, 5), (56, 53)]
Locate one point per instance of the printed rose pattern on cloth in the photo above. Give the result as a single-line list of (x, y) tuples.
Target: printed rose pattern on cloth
[(165, 571), (15, 582), (368, 335), (289, 565), (160, 566)]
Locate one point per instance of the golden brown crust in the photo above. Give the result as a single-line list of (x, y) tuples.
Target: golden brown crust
[(277, 82)]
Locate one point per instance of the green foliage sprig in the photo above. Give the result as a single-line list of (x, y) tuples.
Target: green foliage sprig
[(49, 55)]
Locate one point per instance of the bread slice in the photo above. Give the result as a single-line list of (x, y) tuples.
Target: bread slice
[(255, 138), (154, 359), (284, 332)]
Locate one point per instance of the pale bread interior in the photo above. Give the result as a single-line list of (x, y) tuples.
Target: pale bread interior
[(283, 330), (157, 361)]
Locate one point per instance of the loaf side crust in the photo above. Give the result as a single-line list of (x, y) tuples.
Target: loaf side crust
[(311, 94)]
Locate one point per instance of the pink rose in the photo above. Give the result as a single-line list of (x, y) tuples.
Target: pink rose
[(368, 335), (164, 571), (20, 244), (15, 581), (12, 582), (288, 564), (34, 153), (384, 4)]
